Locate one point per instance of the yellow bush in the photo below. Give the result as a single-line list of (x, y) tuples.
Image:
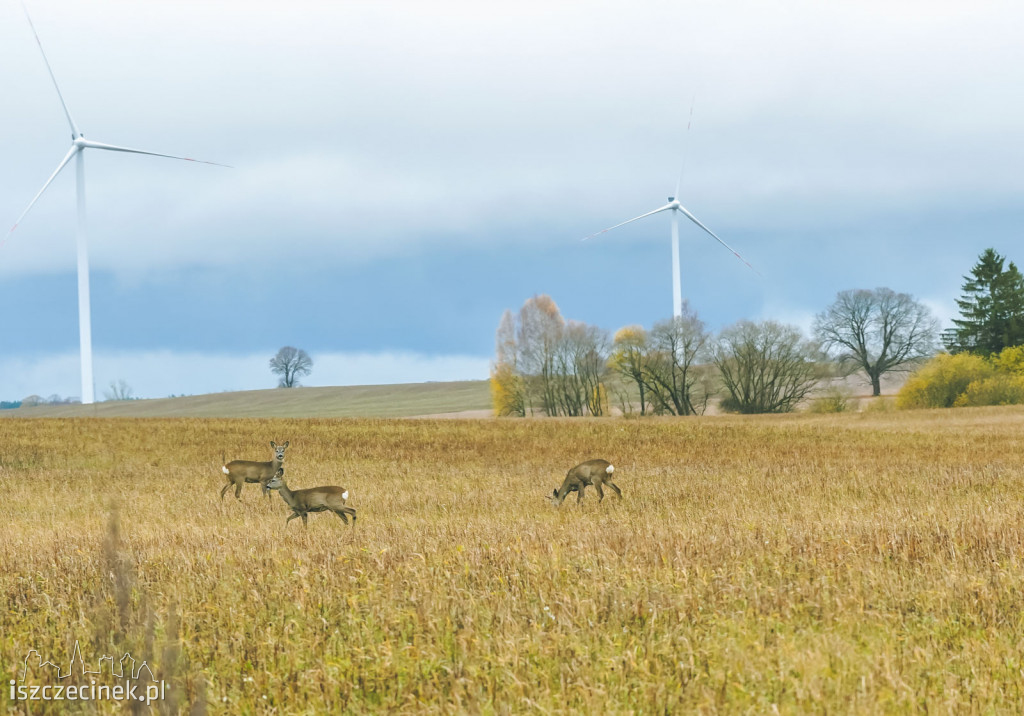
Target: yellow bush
[(1000, 389), (833, 400), (942, 380), (507, 392), (1010, 360)]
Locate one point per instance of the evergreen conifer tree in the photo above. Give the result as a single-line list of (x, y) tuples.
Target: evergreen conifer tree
[(991, 308)]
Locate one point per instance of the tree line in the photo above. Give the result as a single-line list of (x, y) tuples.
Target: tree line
[(546, 365)]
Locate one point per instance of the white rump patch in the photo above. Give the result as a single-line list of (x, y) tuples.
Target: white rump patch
[(344, 495), (610, 469), (225, 469)]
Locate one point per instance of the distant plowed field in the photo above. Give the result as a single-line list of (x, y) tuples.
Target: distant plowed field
[(354, 401), (866, 562)]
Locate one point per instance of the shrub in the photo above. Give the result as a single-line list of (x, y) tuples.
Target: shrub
[(1000, 389), (507, 392), (878, 405), (1010, 360), (832, 400), (940, 381)]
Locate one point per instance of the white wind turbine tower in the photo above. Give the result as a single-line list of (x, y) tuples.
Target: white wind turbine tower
[(676, 208), (78, 146)]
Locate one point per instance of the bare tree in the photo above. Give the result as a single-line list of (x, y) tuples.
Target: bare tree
[(629, 359), (671, 373), (766, 367), (878, 332), (290, 363), (508, 393), (119, 390), (542, 364), (540, 332), (580, 359)]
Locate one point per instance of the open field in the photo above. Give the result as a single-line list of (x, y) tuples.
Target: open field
[(456, 399), (368, 401), (865, 562)]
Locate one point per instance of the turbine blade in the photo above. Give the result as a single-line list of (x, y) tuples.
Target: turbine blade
[(642, 216), (64, 162), (114, 148), (67, 112), (686, 138), (735, 253)]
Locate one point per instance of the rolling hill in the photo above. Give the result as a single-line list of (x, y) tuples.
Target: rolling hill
[(471, 397)]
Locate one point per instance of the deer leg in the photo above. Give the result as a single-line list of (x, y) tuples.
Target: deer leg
[(600, 492), (238, 490), (225, 489), (579, 494), (341, 514), (292, 517), (305, 520), (616, 488)]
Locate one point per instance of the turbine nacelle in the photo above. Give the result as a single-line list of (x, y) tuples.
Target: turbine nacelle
[(676, 208)]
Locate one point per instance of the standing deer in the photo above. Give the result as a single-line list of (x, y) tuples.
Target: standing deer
[(239, 472), (591, 472), (312, 499)]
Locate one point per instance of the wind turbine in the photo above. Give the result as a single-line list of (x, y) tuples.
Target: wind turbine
[(676, 208), (78, 146)]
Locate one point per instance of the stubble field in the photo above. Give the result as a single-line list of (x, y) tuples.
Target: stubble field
[(853, 563)]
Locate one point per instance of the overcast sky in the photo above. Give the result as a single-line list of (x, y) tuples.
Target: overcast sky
[(406, 171)]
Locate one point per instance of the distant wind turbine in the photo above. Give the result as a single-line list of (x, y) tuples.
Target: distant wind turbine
[(78, 146), (676, 208)]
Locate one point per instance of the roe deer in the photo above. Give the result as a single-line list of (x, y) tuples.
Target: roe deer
[(591, 472), (312, 499), (239, 472)]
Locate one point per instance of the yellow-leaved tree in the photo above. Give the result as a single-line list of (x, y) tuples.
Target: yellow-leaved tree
[(508, 392), (628, 359)]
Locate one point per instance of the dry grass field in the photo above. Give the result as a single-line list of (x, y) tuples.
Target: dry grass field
[(858, 563)]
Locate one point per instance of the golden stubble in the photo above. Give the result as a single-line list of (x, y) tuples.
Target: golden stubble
[(855, 563)]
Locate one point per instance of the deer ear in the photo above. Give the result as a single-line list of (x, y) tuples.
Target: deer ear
[(273, 444), (286, 443)]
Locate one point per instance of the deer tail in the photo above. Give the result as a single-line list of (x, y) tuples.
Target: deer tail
[(610, 469)]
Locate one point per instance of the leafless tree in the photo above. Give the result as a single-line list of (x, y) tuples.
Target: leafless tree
[(290, 363), (119, 390), (507, 387), (765, 367), (580, 359), (878, 332), (540, 331), (671, 373), (629, 359)]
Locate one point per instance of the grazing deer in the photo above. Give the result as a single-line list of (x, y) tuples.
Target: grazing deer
[(312, 499), (239, 472), (591, 472)]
